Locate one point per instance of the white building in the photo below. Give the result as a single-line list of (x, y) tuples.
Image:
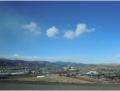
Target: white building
[(92, 73), (40, 76)]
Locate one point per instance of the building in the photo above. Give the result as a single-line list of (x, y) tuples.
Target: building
[(40, 76), (93, 74)]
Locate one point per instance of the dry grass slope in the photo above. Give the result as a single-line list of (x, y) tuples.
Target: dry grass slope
[(57, 79)]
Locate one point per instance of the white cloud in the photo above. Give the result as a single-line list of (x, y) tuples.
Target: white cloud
[(52, 32), (31, 27), (69, 34), (80, 29)]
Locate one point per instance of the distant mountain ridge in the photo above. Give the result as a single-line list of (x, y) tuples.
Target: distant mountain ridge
[(42, 63), (24, 63)]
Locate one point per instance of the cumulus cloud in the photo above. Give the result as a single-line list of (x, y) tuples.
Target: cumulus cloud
[(80, 29), (31, 27), (69, 34), (52, 32)]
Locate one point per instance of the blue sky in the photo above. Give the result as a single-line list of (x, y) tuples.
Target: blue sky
[(86, 32)]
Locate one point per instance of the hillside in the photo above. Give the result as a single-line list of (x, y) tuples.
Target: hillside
[(9, 62)]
